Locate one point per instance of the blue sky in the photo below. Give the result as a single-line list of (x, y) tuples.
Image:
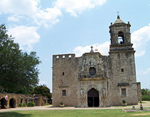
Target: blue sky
[(71, 26)]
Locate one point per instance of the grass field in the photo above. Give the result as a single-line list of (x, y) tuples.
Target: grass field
[(75, 113)]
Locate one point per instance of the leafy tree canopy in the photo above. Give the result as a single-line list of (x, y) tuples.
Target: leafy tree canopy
[(43, 90), (18, 70), (145, 91)]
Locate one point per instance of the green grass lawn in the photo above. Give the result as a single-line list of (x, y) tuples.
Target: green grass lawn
[(74, 113)]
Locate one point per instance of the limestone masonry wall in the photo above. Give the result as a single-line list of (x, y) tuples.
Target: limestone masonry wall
[(96, 80)]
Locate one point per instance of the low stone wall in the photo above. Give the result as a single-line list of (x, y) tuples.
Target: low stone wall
[(14, 100)]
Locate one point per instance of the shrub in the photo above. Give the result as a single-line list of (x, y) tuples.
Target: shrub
[(145, 98), (22, 105), (46, 103), (123, 101), (31, 104), (61, 103)]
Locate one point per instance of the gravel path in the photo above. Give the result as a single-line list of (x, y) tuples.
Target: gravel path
[(145, 104)]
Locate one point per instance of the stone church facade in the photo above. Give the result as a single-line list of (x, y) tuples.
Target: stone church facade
[(95, 80)]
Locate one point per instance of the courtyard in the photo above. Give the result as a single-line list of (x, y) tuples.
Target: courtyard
[(49, 111)]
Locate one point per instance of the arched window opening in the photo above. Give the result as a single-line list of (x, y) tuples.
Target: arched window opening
[(120, 37), (63, 56), (12, 103), (92, 71)]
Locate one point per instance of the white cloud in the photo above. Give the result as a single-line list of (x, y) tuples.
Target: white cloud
[(31, 10), (13, 18), (78, 6), (25, 36), (48, 16), (24, 7), (147, 71), (102, 48), (140, 39), (144, 72)]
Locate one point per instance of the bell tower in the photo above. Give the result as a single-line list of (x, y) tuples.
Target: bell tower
[(120, 36), (122, 64)]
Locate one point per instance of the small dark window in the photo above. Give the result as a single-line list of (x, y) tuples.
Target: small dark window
[(63, 73), (92, 71), (21, 100), (123, 91), (63, 92), (122, 70)]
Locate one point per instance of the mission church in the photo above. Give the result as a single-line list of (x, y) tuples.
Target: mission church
[(96, 80)]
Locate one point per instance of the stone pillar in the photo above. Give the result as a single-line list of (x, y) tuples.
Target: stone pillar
[(40, 101), (7, 103), (27, 99), (86, 100), (17, 101)]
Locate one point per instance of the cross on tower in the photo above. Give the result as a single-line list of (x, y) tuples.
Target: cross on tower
[(91, 49), (117, 12), (118, 17)]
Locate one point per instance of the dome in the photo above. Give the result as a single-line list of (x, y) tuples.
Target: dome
[(118, 20)]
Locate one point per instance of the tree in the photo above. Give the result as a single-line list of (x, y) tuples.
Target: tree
[(145, 94), (18, 70), (145, 91), (43, 90)]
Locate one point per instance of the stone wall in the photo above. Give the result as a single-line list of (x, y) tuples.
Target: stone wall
[(113, 73), (112, 76), (65, 79), (15, 99), (72, 74)]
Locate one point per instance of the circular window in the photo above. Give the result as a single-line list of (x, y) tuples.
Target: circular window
[(92, 71)]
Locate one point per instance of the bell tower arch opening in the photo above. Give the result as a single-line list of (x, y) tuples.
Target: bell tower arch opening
[(120, 33), (93, 98), (120, 37)]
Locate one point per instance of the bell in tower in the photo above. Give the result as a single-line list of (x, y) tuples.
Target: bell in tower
[(120, 35)]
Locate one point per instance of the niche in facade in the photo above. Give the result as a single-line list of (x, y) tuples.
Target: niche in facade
[(92, 71)]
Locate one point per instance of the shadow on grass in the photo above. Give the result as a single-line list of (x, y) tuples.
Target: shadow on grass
[(14, 114)]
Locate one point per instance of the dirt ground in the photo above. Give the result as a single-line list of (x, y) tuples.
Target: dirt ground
[(146, 104)]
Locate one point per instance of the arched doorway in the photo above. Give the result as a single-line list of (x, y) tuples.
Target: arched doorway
[(12, 103), (3, 103), (93, 98)]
